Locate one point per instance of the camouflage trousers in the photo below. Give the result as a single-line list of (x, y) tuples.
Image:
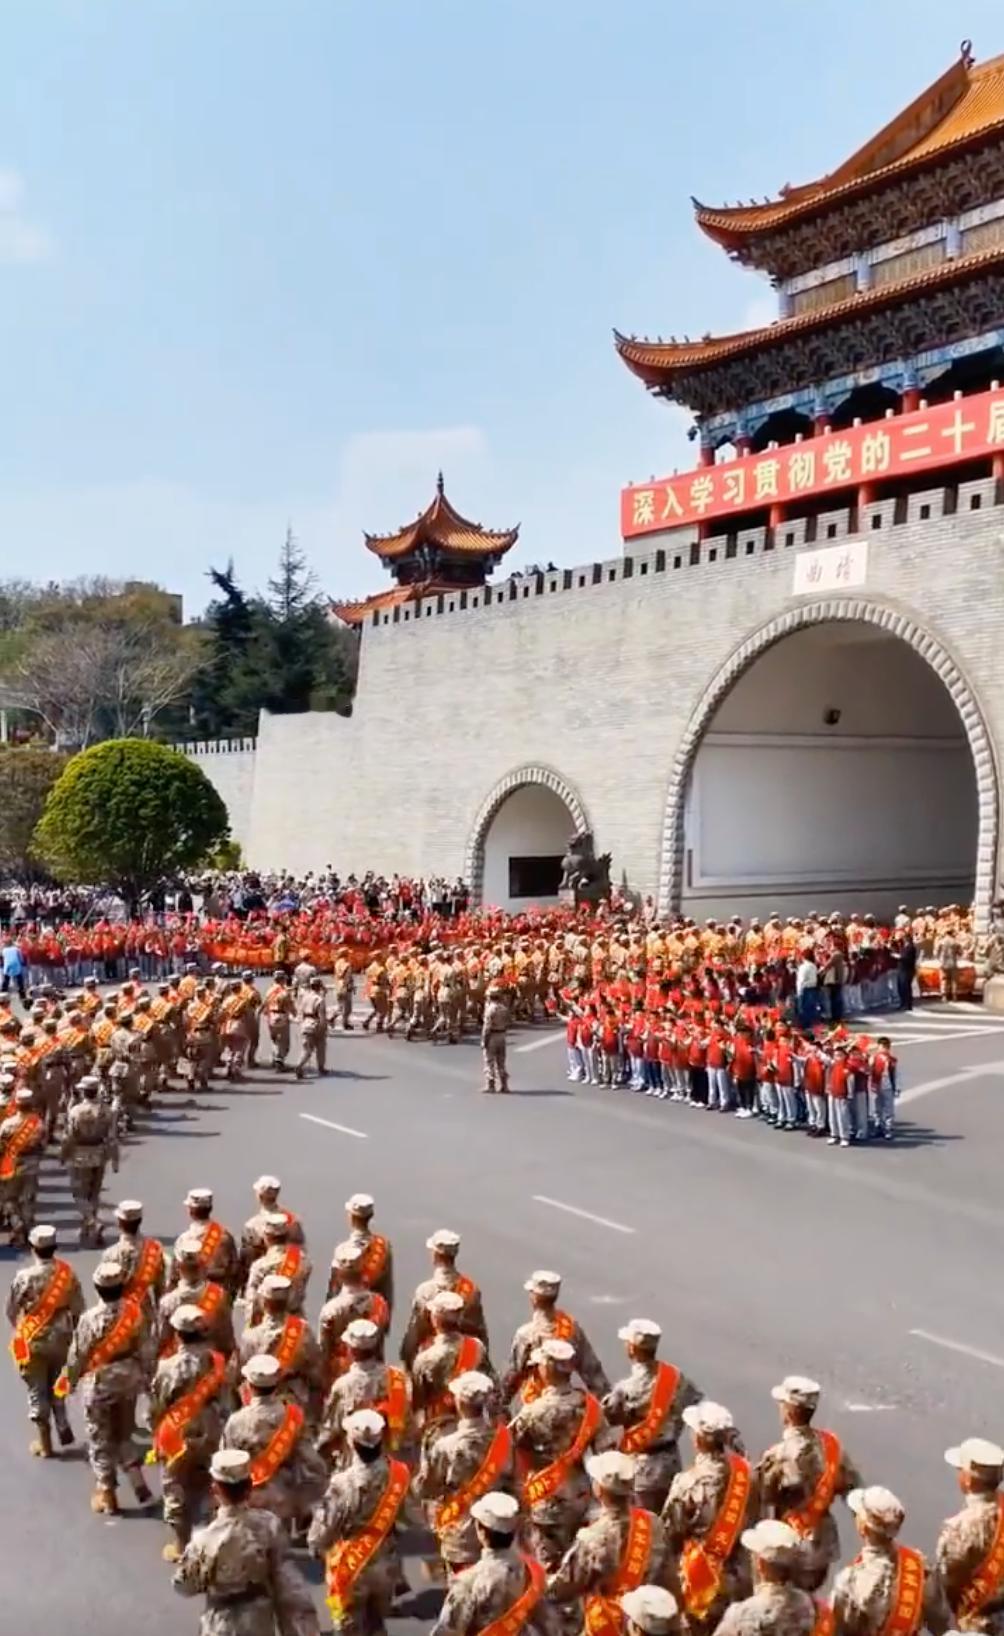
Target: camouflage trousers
[(552, 1527), (40, 1376), (109, 1427), (184, 1487), (343, 1008), (313, 1045), (278, 1033), (85, 1185), (493, 1056), (19, 1200), (372, 1596)]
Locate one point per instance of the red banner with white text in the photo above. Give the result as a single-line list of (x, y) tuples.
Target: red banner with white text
[(901, 446)]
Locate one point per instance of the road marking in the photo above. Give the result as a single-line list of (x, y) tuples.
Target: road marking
[(976, 1071), (587, 1215), (346, 1130), (959, 1346), (869, 1408), (538, 1045), (607, 1300)]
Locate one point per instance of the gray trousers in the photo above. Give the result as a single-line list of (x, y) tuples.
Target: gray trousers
[(840, 1117), (719, 1088)]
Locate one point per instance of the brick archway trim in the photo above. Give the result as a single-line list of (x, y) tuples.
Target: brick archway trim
[(534, 773), (897, 624)]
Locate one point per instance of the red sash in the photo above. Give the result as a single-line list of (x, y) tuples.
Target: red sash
[(349, 1557), (636, 1439), (563, 1330), (209, 1302), (38, 1318), (906, 1612), (286, 1348), (394, 1407), (544, 1484), (468, 1357), (169, 1433), (22, 1138), (110, 1347), (702, 1560), (211, 1243), (512, 1621), (825, 1621), (148, 1270), (289, 1266), (456, 1508), (603, 1613), (374, 1262), (987, 1579), (279, 1447), (806, 1520)]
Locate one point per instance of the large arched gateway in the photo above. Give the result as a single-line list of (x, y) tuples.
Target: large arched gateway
[(520, 835), (839, 750)]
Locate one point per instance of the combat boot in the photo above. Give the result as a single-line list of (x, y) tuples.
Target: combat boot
[(174, 1549), (41, 1448), (104, 1501)]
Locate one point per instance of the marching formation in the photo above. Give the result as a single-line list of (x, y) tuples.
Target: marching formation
[(555, 1500)]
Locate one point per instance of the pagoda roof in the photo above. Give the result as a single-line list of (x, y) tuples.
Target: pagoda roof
[(656, 362), (962, 106), (441, 526), (354, 613)]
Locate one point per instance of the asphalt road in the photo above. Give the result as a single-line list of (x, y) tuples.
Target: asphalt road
[(760, 1253)]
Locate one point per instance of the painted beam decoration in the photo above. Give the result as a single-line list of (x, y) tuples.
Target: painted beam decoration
[(901, 446)]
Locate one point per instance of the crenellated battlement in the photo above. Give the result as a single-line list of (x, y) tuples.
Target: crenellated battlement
[(681, 550)]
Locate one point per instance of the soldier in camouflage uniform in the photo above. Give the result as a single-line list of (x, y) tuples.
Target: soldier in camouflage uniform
[(313, 1018), (359, 1210), (864, 1593), (126, 1050), (185, 1453), (194, 1289), (652, 1437), (302, 1375), (344, 1514), (551, 1432), (292, 1261), (297, 1481), (452, 1459), (366, 1383), (483, 1594), (351, 1300), (145, 1268), (89, 1145), (591, 1564), (790, 1471), (778, 1606), (450, 1352), (650, 1610), (266, 1190), (694, 1504), (545, 1321), (43, 1312), (966, 1538), (241, 1563), (494, 1025), (22, 1144), (222, 1262), (110, 1359), (444, 1245)]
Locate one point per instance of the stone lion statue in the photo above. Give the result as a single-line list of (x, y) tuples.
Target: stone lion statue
[(584, 874)]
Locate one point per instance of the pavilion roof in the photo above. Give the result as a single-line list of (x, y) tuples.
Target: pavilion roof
[(355, 613), (656, 362), (962, 106), (440, 525)]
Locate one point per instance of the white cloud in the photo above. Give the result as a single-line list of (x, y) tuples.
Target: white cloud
[(21, 239)]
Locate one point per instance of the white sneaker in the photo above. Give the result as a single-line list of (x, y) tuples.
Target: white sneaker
[(831, 1141)]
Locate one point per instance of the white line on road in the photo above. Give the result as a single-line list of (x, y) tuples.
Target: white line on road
[(976, 1071), (587, 1215), (538, 1045), (346, 1130), (959, 1346), (869, 1408)]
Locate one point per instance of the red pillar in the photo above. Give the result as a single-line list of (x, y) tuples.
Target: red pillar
[(910, 400)]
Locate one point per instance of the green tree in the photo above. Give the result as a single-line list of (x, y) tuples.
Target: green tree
[(26, 777), (127, 814)]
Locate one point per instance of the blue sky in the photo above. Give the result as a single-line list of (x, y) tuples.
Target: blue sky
[(270, 261)]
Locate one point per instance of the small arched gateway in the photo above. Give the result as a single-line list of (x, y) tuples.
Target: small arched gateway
[(760, 807), (519, 837)]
